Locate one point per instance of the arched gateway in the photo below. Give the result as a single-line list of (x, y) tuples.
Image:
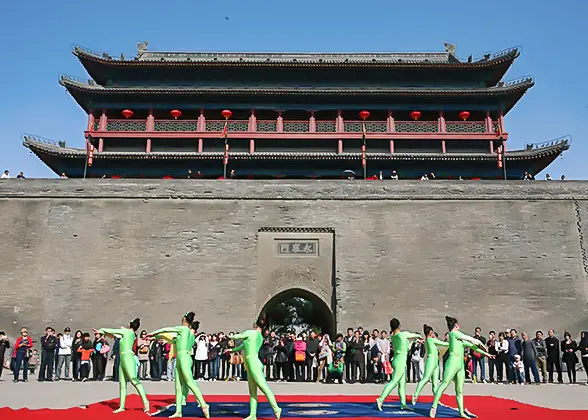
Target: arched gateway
[(312, 310)]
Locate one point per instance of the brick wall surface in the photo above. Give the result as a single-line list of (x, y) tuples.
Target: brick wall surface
[(98, 252)]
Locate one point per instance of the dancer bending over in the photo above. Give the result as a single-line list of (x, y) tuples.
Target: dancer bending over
[(184, 380), (454, 367), (432, 362), (400, 342), (252, 341), (127, 370)]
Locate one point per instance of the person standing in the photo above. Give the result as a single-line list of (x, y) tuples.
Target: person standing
[(64, 354), (583, 347), (569, 357), (491, 345), (501, 347), (21, 355), (4, 345), (349, 350), (143, 354), (478, 359), (358, 358), (529, 355), (48, 346), (75, 355), (541, 354), (514, 349), (312, 348), (553, 358)]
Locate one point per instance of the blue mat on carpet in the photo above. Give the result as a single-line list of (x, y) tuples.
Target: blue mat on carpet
[(313, 410)]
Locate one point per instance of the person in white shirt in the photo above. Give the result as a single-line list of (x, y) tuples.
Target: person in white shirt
[(64, 354), (501, 346), (5, 175)]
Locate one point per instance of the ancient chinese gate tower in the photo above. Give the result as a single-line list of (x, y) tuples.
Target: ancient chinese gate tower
[(295, 116)]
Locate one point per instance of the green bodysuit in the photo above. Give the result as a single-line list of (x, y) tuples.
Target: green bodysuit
[(252, 341), (127, 370), (400, 344), (431, 366), (184, 380), (455, 369)]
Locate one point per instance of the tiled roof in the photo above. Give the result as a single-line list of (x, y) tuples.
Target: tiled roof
[(438, 59), (44, 148), (77, 84)]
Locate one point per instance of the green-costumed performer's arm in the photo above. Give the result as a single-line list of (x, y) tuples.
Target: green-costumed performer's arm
[(113, 332), (167, 330), (476, 348)]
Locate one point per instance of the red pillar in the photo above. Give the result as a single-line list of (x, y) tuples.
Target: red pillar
[(443, 148), (501, 121), (339, 146), (339, 123), (391, 147), (442, 127), (150, 122), (280, 123), (148, 146), (102, 125), (251, 146), (492, 147), (200, 145), (100, 145), (488, 122), (91, 121), (201, 123), (390, 123), (312, 124), (252, 122)]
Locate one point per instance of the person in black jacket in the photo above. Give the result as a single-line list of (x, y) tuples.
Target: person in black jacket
[(4, 345), (115, 356), (312, 346), (491, 344), (583, 347), (358, 345), (569, 357), (48, 346), (552, 344), (75, 355)]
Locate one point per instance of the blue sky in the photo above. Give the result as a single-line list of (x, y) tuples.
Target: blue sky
[(37, 36)]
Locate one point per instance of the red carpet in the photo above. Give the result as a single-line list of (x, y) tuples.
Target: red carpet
[(484, 407)]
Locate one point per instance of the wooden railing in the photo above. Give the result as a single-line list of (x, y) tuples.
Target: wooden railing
[(293, 126)]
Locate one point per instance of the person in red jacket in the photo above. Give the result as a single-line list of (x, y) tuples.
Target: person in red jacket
[(21, 354)]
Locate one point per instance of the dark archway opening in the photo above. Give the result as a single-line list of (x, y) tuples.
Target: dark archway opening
[(299, 309)]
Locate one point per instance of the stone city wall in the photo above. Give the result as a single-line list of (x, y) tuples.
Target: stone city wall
[(96, 253)]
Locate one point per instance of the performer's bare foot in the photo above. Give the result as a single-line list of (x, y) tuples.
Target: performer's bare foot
[(464, 416), (380, 403), (120, 410), (414, 400), (146, 408), (278, 413), (250, 418), (206, 411), (469, 413), (177, 415), (433, 412)]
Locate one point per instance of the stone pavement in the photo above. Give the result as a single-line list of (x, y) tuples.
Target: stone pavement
[(67, 394)]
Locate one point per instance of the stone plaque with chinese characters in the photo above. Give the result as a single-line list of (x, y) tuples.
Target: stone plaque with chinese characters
[(297, 248)]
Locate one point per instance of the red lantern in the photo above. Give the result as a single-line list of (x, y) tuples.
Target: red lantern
[(364, 115), (176, 113), (464, 115), (415, 115), (227, 114), (127, 113)]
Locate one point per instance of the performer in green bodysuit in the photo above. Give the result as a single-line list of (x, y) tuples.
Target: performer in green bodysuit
[(454, 367), (252, 341), (128, 365), (431, 363), (184, 380), (400, 341)]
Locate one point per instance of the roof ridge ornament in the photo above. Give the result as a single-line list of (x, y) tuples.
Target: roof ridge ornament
[(142, 48), (450, 48)]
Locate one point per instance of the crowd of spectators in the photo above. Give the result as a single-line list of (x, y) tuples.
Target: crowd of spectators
[(357, 357)]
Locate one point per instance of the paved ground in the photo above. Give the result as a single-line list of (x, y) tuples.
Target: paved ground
[(68, 394)]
